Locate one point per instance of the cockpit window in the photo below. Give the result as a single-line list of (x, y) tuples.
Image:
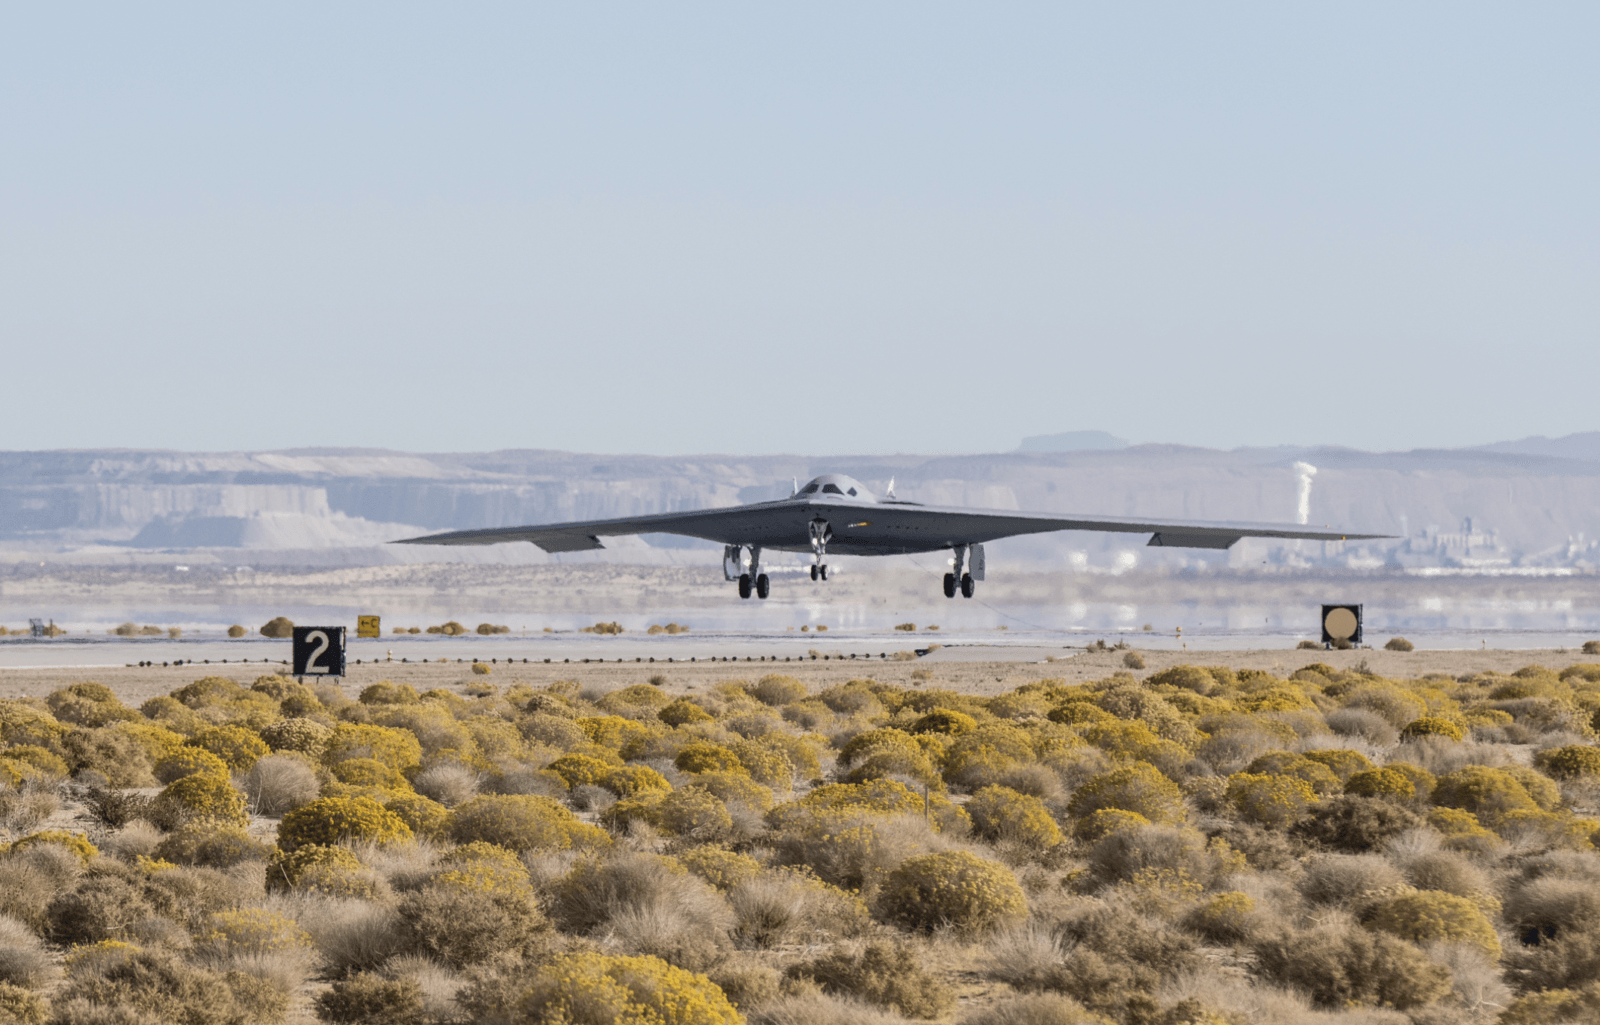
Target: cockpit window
[(830, 489), (851, 492), (808, 489)]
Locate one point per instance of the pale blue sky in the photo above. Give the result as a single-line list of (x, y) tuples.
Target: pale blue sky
[(814, 228)]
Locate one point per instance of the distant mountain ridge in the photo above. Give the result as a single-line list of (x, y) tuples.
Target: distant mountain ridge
[(1534, 502)]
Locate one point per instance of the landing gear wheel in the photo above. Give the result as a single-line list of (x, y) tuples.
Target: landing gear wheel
[(744, 585), (968, 585), (763, 585), (813, 571), (949, 585), (824, 572)]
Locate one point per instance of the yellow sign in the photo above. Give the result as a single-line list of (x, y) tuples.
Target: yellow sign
[(367, 626)]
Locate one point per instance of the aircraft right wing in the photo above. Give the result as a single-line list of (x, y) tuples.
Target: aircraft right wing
[(585, 535)]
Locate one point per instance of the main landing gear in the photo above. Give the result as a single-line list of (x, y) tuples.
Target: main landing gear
[(966, 583), (751, 578)]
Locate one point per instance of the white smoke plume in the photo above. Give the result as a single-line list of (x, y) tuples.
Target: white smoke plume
[(1305, 471)]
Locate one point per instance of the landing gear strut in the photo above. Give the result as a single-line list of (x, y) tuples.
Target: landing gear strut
[(960, 580), (750, 578), (821, 534)]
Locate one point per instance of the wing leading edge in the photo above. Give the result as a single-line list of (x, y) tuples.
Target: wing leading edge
[(781, 524)]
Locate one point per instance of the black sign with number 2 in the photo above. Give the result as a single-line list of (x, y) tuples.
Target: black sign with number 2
[(319, 651)]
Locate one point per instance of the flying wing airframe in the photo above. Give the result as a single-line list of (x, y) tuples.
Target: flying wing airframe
[(835, 514)]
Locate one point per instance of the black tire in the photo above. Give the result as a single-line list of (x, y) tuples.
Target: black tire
[(763, 585), (813, 571), (949, 585), (968, 585), (744, 585), (824, 572)]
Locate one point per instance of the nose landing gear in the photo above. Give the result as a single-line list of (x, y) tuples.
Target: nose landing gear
[(821, 534)]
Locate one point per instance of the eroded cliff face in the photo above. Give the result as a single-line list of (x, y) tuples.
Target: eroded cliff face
[(1450, 507)]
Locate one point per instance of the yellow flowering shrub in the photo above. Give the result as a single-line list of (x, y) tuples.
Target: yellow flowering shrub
[(766, 764), (859, 747), (877, 797), (1487, 793), (157, 741), (1137, 788), (634, 781), (1105, 821), (397, 748), (235, 745), (304, 735), (596, 989), (369, 772), (1273, 801), (523, 822), (954, 888), (188, 761), (1319, 777), (1002, 814), (707, 758), (202, 795), (332, 820), (35, 762), (613, 731), (581, 770), (425, 816), (1381, 783), (944, 720), (1428, 916), (1569, 762), (320, 867), (690, 810), (249, 932), (683, 712), (1344, 762), (721, 868), (77, 843), (1432, 726)]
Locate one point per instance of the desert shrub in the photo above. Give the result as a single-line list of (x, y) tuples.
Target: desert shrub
[(396, 748), (691, 811), (707, 758), (370, 997), (1344, 762), (594, 989), (1432, 916), (1003, 814), (1432, 726), (448, 783), (114, 754), (296, 734), (775, 689), (1341, 967), (1225, 917), (1462, 831), (1363, 724), (768, 765), (235, 745), (76, 843), (202, 795), (881, 973), (522, 822), (1339, 879), (580, 770), (99, 907), (216, 844), (1033, 1009), (1487, 793), (1272, 801), (1384, 783), (1398, 644), (333, 820), (34, 762), (944, 720), (280, 783), (1138, 788), (551, 730), (1319, 777), (635, 780), (721, 868), (953, 888), (792, 903), (386, 692), (827, 804), (369, 772), (279, 627), (88, 704), (1570, 762), (472, 911), (286, 869), (187, 762), (155, 986), (1354, 824), (613, 731), (886, 763), (682, 712), (24, 961), (1396, 706), (1554, 1006), (425, 817)]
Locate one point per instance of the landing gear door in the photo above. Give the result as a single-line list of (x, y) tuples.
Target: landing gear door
[(732, 565), (975, 556)]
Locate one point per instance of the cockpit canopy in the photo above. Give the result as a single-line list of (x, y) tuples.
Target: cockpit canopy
[(837, 484)]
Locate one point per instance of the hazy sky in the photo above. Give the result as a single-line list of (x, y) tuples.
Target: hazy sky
[(675, 228)]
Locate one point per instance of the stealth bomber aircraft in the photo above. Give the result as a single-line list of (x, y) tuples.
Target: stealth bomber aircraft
[(837, 515)]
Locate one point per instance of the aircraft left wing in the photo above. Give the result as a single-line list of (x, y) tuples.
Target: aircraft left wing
[(973, 526), (585, 535)]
